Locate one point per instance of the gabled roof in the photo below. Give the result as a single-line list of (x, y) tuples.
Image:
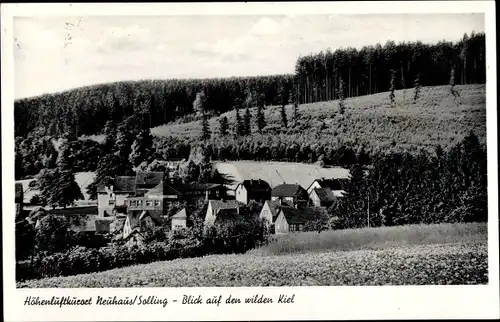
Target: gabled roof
[(324, 194), (333, 184), (164, 188), (274, 206), (286, 190), (298, 215), (255, 186), (148, 178), (220, 204), (195, 186), (125, 184), (19, 192), (181, 214)]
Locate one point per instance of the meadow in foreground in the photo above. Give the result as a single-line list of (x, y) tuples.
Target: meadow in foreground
[(447, 264), (408, 255)]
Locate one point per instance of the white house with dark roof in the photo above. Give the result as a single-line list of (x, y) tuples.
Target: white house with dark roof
[(113, 193), (215, 206), (179, 220), (322, 192), (269, 211), (258, 190), (290, 194)]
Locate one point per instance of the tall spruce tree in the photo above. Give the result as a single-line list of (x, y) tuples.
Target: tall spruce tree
[(239, 126), (223, 126), (284, 120), (417, 89), (392, 97), (205, 128), (247, 129), (341, 96), (261, 119), (292, 100)]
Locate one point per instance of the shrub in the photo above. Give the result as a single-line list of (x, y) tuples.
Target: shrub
[(82, 260)]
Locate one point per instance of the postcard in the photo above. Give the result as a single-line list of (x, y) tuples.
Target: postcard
[(249, 161)]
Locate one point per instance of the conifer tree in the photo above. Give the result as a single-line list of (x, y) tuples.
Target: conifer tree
[(284, 121), (417, 88), (392, 87), (205, 128), (261, 119), (292, 99), (223, 126), (247, 128), (239, 126), (341, 97)]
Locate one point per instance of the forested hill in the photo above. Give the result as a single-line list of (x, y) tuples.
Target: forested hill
[(319, 77)]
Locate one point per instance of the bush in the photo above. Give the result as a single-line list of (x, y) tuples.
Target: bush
[(82, 260)]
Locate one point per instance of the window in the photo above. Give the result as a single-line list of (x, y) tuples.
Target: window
[(111, 202), (139, 202), (149, 203), (133, 202), (157, 203)]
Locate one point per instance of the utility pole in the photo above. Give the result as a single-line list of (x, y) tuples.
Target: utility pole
[(368, 210)]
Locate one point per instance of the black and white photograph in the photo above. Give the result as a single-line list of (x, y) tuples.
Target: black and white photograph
[(250, 150)]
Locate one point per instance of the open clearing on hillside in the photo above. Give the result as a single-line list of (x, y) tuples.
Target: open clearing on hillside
[(436, 118), (276, 173), (434, 258), (82, 178)]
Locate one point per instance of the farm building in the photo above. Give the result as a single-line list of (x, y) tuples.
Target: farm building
[(258, 190), (179, 220), (215, 206), (292, 219), (290, 194)]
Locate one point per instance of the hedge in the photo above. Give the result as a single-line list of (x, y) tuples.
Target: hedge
[(81, 260)]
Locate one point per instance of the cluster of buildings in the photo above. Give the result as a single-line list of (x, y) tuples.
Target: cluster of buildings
[(126, 201)]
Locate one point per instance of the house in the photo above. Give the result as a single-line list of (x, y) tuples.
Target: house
[(290, 194), (145, 181), (269, 211), (19, 196), (258, 190), (322, 197), (113, 192), (335, 185), (292, 219), (215, 206), (134, 219), (179, 220)]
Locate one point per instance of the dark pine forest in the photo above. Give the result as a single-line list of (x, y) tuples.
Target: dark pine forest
[(85, 110)]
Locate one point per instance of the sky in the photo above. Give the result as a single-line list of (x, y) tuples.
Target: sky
[(52, 54)]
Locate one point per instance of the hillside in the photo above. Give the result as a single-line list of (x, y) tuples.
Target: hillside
[(82, 178), (436, 118), (290, 172)]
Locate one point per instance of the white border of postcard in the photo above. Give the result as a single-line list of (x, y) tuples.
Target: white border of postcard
[(310, 302)]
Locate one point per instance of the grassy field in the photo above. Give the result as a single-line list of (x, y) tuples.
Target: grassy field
[(375, 238), (82, 178), (290, 172), (437, 118), (430, 255)]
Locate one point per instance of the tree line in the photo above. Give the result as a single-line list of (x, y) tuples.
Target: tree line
[(318, 77), (404, 188)]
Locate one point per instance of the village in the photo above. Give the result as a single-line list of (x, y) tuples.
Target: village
[(124, 202)]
